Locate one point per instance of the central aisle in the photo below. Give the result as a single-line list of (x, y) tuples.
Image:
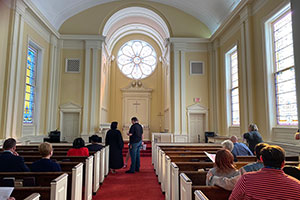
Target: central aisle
[(142, 185)]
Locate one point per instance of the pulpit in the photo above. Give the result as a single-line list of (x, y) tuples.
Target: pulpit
[(136, 103)]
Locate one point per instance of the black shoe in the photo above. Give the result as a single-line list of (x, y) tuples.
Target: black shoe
[(137, 170), (129, 172)]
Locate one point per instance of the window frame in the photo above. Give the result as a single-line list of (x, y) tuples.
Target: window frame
[(274, 132), (32, 129), (270, 69), (130, 44), (30, 46), (275, 72), (229, 88)]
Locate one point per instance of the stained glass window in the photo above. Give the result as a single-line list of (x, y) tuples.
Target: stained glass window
[(30, 85), (234, 87), (137, 59), (285, 86)]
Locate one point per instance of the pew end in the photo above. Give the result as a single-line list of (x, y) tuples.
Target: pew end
[(59, 188), (34, 196), (185, 187), (199, 195), (77, 178)]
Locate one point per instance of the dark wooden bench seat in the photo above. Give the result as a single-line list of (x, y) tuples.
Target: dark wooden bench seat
[(212, 192)]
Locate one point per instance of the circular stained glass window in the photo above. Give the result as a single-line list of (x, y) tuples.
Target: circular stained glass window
[(137, 59)]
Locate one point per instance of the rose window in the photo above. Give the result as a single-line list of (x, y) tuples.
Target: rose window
[(137, 59)]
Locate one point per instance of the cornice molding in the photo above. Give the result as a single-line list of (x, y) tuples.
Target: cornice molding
[(83, 37), (229, 19), (36, 11), (189, 44), (93, 44)]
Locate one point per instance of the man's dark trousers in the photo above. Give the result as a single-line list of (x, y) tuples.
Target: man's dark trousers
[(135, 156)]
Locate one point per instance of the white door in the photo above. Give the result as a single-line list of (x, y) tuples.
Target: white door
[(196, 128), (70, 125)]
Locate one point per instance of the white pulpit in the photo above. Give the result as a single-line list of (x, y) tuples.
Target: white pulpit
[(136, 103)]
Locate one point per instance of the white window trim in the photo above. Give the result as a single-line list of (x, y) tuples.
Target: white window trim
[(33, 129), (269, 82), (232, 129)]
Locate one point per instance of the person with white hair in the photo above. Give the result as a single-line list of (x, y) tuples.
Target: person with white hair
[(227, 144)]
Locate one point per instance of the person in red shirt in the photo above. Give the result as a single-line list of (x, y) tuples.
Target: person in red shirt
[(270, 182), (78, 149)]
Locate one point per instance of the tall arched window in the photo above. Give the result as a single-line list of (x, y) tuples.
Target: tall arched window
[(30, 91), (137, 59), (233, 86), (284, 70)]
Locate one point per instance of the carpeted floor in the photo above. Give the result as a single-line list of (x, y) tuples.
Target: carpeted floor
[(142, 185)]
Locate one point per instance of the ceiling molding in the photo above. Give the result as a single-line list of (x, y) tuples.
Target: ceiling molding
[(131, 29), (210, 12), (189, 40), (229, 19), (45, 21), (135, 12), (190, 44), (82, 37)]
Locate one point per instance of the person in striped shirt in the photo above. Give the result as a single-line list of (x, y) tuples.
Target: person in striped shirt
[(270, 182)]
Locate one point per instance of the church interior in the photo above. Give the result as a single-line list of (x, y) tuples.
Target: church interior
[(183, 68)]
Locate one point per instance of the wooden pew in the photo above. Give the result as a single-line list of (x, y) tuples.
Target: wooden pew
[(188, 186), (199, 195), (159, 146), (43, 179), (57, 190), (88, 174), (183, 166), (96, 165), (211, 192), (34, 196)]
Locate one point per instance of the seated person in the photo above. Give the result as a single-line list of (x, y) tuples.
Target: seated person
[(10, 159), (78, 149), (228, 144), (45, 164), (224, 168), (270, 182), (95, 146), (239, 149), (253, 137), (258, 164)]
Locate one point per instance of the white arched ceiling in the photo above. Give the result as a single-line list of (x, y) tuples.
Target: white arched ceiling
[(134, 20), (134, 29), (210, 12)]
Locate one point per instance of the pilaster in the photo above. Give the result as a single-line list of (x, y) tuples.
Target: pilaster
[(246, 68), (13, 100)]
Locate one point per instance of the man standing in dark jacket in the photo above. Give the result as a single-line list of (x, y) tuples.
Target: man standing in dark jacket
[(11, 161), (135, 140)]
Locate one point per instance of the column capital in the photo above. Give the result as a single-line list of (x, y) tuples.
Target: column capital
[(245, 13), (93, 44), (20, 7)]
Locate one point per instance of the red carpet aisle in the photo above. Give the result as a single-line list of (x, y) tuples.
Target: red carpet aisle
[(139, 186)]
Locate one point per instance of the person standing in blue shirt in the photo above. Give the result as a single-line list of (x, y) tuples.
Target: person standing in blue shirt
[(135, 140), (240, 149), (45, 164), (253, 137)]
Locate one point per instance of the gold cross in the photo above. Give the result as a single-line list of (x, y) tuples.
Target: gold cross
[(136, 104)]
